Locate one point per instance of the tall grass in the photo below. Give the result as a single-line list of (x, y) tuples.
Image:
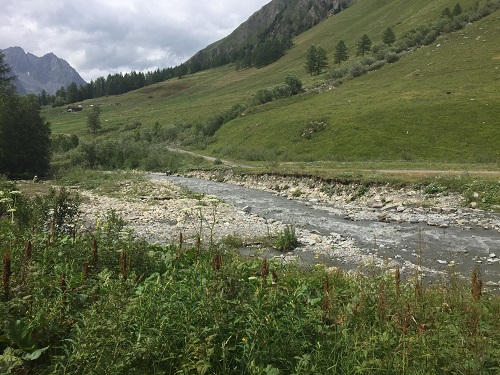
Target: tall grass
[(102, 302)]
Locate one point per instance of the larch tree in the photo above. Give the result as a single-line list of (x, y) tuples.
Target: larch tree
[(364, 45), (388, 37), (340, 53)]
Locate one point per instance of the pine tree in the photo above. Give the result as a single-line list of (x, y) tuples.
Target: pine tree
[(457, 10), (364, 45), (388, 37), (321, 60), (5, 80), (316, 60), (340, 53), (311, 59), (24, 134)]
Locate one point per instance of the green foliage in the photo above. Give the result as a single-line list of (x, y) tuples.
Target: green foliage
[(370, 131), (269, 51), (294, 82), (364, 45), (263, 96), (340, 53), (286, 240), (316, 60), (485, 194), (64, 142), (6, 86), (388, 37), (362, 190), (434, 188), (78, 305), (94, 119), (24, 137), (457, 10)]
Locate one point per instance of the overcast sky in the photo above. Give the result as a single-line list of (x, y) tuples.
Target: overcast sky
[(99, 37)]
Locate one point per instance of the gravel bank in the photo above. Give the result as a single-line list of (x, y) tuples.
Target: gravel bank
[(159, 210)]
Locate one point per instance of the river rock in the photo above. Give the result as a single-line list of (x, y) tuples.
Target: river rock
[(390, 206), (376, 204)]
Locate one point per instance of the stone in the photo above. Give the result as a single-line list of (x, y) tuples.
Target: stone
[(442, 261), (247, 209), (376, 204), (390, 206), (492, 255), (473, 204), (492, 284)]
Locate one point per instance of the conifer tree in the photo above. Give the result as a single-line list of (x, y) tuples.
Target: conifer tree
[(340, 53), (364, 45), (388, 37)]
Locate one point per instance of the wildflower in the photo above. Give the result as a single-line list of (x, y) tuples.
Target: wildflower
[(244, 339)]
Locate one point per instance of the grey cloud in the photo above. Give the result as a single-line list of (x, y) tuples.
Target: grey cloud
[(98, 38)]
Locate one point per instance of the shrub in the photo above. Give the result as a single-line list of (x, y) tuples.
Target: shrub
[(391, 57), (64, 142), (263, 96), (282, 92), (339, 73), (369, 60), (294, 83), (434, 188), (376, 65), (357, 70), (286, 239), (233, 112)]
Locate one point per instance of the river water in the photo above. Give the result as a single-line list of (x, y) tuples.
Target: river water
[(439, 248)]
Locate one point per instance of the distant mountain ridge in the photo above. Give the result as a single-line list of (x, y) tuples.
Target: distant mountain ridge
[(278, 19), (35, 74)]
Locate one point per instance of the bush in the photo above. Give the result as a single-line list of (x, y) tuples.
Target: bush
[(286, 240), (376, 65), (233, 112), (64, 142), (282, 92), (391, 57), (339, 73), (369, 60), (263, 96), (294, 83), (357, 70)]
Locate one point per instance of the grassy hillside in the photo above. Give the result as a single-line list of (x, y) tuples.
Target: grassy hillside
[(438, 103)]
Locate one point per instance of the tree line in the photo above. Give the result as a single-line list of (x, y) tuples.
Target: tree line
[(392, 48), (113, 84)]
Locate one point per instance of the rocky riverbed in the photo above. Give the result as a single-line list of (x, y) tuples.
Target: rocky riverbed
[(346, 226)]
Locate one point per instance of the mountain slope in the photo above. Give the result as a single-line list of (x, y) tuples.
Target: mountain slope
[(437, 103), (279, 19), (35, 74)]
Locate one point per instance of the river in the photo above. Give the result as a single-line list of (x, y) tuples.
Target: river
[(428, 246)]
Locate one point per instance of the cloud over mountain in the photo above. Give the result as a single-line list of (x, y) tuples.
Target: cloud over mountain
[(98, 38)]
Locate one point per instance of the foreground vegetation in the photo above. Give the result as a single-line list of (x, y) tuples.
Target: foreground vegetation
[(100, 301)]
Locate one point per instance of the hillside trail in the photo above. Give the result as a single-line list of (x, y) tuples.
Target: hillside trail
[(422, 172)]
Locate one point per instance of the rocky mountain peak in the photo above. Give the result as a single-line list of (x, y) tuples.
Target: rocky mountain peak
[(35, 74)]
